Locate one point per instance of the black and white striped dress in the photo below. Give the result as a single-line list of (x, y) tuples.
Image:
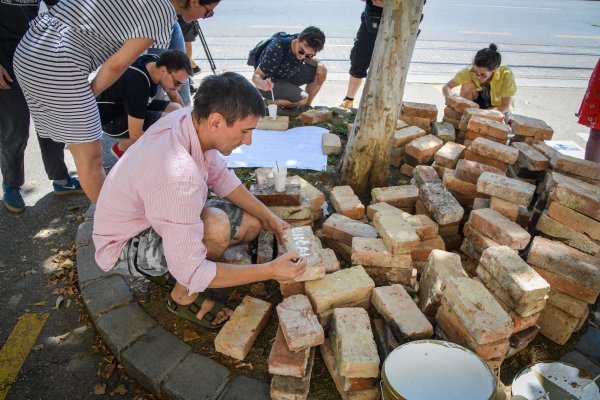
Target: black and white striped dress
[(63, 46)]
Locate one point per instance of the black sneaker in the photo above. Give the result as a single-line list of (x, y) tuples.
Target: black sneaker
[(193, 88), (196, 70), (292, 112)]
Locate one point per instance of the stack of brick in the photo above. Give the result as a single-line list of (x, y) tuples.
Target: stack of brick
[(510, 197), (573, 215), (292, 355), (455, 107), (529, 130), (350, 355), (584, 170), (403, 197), (319, 261), (439, 204), (419, 114), (403, 136), (531, 165), (447, 157), (575, 281), (491, 115), (349, 287), (462, 182), (406, 242), (440, 266), (339, 230), (311, 199), (347, 203), (421, 151), (520, 291), (550, 182), (488, 152), (488, 228), (486, 128), (470, 316)]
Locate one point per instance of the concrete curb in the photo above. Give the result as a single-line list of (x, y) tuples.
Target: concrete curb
[(157, 359)]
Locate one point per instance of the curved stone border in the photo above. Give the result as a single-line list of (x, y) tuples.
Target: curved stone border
[(157, 359)]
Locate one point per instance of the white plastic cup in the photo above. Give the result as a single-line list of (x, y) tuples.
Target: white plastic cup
[(280, 176), (273, 111)]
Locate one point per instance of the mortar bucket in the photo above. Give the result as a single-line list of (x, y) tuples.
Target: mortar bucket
[(434, 370)]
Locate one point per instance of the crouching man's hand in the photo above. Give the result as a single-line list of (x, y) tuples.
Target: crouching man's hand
[(288, 266)]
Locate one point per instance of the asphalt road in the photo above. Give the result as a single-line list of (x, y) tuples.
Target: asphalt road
[(552, 43), (547, 43)]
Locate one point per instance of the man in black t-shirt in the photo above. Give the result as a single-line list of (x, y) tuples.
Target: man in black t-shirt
[(15, 16), (127, 108), (289, 62)]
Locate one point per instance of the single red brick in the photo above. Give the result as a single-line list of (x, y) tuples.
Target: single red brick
[(284, 362), (424, 148), (509, 189), (499, 228), (470, 171), (397, 196), (299, 324), (508, 209), (470, 155), (346, 202), (488, 127), (316, 116), (529, 157), (343, 229), (449, 154), (527, 126), (401, 313), (421, 110), (497, 151), (459, 103), (404, 136)]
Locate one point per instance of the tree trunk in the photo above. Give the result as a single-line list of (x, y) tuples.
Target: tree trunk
[(367, 155)]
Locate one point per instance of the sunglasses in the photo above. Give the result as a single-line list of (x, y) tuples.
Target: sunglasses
[(302, 52), (477, 74), (175, 81), (209, 13)]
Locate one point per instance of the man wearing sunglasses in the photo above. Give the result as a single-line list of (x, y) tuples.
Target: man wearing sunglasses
[(286, 64), (128, 107)]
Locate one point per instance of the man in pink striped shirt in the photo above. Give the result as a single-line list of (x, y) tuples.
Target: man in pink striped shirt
[(152, 217)]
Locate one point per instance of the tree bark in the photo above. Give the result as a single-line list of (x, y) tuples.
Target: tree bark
[(366, 159)]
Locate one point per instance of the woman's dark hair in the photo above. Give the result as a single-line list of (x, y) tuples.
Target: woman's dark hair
[(488, 58), (313, 37), (175, 60), (186, 3), (229, 94)]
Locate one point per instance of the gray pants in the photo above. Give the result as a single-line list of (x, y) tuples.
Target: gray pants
[(289, 89), (143, 254), (14, 131)]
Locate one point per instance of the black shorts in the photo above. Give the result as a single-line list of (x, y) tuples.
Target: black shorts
[(364, 43), (190, 30), (117, 126), (289, 89)]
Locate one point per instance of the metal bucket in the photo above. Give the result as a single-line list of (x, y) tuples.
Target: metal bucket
[(554, 380), (434, 370)]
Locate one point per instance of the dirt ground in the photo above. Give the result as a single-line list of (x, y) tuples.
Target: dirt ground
[(153, 299)]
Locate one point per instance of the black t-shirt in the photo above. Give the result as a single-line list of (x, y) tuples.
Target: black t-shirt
[(15, 16), (372, 10), (131, 93)]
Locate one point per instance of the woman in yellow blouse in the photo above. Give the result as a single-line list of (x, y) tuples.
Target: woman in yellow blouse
[(485, 82)]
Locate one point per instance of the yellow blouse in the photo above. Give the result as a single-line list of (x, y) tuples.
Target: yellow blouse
[(501, 85)]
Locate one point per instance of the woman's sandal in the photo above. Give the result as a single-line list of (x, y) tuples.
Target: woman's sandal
[(189, 311), (164, 281)]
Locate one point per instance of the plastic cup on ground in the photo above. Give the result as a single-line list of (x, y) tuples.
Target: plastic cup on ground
[(273, 111), (280, 175)]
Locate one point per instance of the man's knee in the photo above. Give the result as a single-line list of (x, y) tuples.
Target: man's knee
[(217, 232), (249, 229)]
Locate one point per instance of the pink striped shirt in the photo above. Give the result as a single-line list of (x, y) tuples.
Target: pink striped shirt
[(162, 182)]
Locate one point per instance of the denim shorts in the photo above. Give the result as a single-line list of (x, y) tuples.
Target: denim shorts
[(143, 254)]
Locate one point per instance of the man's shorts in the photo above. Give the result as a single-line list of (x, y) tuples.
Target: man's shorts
[(143, 254), (190, 30), (118, 126), (289, 89)]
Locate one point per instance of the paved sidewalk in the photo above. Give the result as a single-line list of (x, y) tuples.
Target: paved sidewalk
[(156, 358)]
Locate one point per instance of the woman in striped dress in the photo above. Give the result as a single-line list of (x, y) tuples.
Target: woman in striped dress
[(63, 46)]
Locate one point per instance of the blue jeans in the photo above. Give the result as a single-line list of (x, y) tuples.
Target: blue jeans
[(176, 43)]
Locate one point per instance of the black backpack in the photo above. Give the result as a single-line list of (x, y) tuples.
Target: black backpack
[(257, 51)]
